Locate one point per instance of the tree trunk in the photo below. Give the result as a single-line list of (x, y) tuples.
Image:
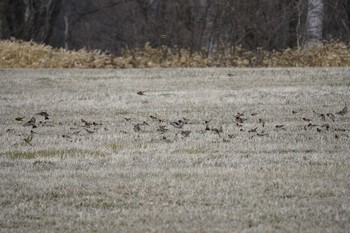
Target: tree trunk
[(3, 22), (31, 20), (314, 23), (347, 8)]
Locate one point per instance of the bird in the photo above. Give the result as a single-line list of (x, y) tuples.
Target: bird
[(325, 126), (262, 122), (343, 111), (331, 115), (252, 130), (322, 116), (262, 134), (141, 93), (178, 124), (89, 131), (240, 120), (162, 128), (19, 118), (44, 114), (31, 122), (311, 125), (185, 133), (217, 130), (207, 121), (279, 126), (153, 117), (207, 127), (29, 139), (306, 119), (137, 128), (66, 136), (86, 123)]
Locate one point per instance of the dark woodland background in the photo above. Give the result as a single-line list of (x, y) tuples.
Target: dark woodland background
[(196, 25)]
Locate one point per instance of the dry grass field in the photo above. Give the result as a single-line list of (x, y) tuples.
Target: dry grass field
[(175, 150)]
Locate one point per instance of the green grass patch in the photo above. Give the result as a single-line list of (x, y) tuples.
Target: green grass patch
[(190, 150), (51, 153), (115, 147)]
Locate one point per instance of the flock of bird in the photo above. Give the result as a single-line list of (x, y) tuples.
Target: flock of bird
[(162, 125)]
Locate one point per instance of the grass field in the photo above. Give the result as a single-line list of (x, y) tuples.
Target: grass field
[(196, 150)]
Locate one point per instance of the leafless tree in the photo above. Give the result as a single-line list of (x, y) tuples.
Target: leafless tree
[(314, 22), (3, 21), (210, 26), (29, 20)]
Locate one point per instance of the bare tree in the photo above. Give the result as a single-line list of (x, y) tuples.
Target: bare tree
[(29, 20), (314, 22), (3, 21)]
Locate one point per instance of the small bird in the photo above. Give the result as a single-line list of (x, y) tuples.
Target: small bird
[(66, 136), (207, 121), (254, 114), (262, 134), (153, 117), (89, 131), (231, 136), (279, 126), (127, 119), (319, 130), (311, 125), (325, 126), (29, 139), (322, 116), (185, 133), (230, 75), (343, 111), (340, 130), (331, 115), (19, 118), (162, 128), (294, 112), (178, 124), (44, 114), (306, 119), (252, 130), (239, 120), (186, 120), (137, 128), (86, 123), (262, 122), (141, 93), (217, 130), (31, 122), (207, 127), (166, 139)]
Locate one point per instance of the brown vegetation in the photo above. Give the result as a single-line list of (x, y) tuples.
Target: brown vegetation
[(20, 54)]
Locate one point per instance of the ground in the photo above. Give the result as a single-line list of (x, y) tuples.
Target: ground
[(175, 150)]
